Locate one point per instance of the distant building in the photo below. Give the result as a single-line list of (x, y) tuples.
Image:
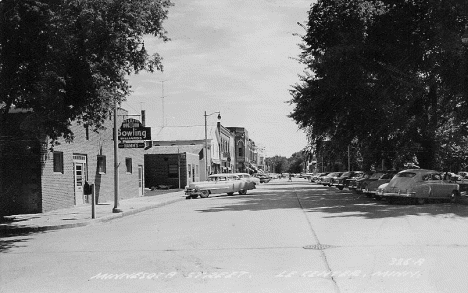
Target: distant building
[(243, 146), (227, 149), (173, 166), (216, 158)]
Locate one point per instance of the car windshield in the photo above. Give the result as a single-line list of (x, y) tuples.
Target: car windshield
[(346, 174)]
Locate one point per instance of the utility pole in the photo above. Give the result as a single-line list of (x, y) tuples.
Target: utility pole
[(116, 163)]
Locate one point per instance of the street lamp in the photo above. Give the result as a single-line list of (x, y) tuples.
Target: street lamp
[(206, 140)]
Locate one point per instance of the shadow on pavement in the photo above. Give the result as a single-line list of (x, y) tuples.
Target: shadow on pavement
[(15, 239), (328, 200)]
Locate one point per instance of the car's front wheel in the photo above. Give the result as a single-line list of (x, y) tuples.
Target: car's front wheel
[(230, 193), (204, 194), (243, 191)]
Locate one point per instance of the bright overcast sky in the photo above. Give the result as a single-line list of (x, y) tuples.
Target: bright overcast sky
[(232, 56)]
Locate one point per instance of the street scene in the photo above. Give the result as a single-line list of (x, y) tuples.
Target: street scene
[(222, 146), (283, 236)]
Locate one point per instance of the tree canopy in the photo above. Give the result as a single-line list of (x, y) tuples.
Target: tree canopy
[(67, 60), (384, 77)]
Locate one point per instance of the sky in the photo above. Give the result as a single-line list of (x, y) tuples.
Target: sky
[(231, 56)]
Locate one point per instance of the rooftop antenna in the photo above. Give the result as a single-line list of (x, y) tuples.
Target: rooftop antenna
[(162, 100)]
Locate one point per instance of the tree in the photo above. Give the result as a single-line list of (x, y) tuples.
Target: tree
[(382, 75), (67, 60), (279, 164), (296, 162)]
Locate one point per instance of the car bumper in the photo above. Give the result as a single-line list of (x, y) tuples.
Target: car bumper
[(192, 192), (369, 191), (395, 194)]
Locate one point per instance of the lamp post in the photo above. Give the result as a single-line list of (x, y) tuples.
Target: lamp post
[(206, 140)]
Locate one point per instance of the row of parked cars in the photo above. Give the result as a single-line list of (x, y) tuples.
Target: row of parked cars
[(415, 185)]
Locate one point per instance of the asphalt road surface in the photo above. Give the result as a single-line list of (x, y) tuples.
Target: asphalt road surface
[(282, 237)]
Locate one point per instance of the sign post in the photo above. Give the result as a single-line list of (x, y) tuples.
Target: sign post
[(131, 129)]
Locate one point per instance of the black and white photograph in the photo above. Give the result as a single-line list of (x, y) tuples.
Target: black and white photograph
[(232, 146)]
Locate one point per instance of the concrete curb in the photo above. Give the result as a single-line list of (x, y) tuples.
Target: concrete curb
[(11, 231), (135, 211)]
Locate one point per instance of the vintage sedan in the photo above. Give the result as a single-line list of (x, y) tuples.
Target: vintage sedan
[(352, 182), (333, 180), (419, 186), (330, 178), (342, 181), (370, 189), (318, 178), (216, 184), (363, 185)]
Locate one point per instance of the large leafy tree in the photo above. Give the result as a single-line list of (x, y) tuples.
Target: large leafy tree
[(68, 60), (382, 76), (279, 164), (296, 162)]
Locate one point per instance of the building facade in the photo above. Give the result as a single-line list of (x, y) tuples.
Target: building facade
[(173, 166), (40, 179), (226, 147), (243, 149)]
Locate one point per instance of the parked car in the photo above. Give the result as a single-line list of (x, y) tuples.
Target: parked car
[(263, 177), (334, 179), (351, 182), (370, 189), (318, 178), (363, 185), (216, 184), (249, 178), (419, 186), (341, 182), (357, 184), (328, 179)]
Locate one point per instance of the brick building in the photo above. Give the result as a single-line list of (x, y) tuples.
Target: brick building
[(35, 179), (243, 154)]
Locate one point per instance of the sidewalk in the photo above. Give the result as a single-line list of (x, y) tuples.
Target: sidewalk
[(79, 216)]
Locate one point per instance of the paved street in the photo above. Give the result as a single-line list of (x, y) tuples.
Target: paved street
[(281, 237)]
